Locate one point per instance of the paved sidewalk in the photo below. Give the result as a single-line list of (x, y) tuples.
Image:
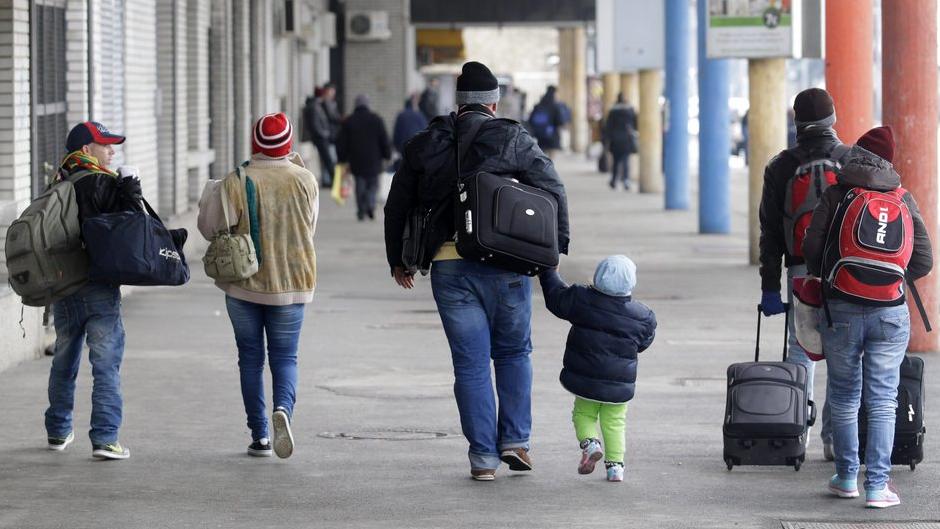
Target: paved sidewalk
[(374, 363)]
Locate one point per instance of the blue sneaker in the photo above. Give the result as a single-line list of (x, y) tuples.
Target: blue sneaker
[(843, 488), (882, 498)]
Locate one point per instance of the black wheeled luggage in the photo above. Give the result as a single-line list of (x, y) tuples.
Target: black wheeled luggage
[(767, 412), (909, 429)]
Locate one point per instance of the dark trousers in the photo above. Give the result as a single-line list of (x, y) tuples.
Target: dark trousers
[(621, 170), (327, 163), (366, 189)]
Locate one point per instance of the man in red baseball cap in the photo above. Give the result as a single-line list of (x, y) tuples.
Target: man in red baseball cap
[(93, 313)]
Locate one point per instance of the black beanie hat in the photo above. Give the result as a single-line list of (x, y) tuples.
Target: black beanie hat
[(812, 105), (476, 84)]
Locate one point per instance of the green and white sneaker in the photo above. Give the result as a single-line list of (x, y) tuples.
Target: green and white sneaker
[(110, 451), (59, 444)]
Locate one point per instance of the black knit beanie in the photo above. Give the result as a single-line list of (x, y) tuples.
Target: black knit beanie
[(814, 106), (476, 84)]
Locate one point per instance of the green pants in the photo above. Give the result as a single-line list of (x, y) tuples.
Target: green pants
[(613, 419)]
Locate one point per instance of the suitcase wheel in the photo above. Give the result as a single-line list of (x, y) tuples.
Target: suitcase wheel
[(913, 466), (796, 466), (730, 463)]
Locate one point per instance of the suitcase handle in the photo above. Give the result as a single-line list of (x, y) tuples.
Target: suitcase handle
[(786, 331), (812, 414)]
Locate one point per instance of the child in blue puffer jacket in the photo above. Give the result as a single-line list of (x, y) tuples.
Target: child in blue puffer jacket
[(608, 330)]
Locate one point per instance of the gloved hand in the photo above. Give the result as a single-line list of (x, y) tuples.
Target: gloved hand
[(771, 303), (130, 171)]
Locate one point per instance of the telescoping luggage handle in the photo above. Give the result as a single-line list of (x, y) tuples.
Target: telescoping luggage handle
[(786, 331)]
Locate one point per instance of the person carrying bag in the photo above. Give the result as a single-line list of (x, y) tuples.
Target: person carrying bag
[(231, 256)]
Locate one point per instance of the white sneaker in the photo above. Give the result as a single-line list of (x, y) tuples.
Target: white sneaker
[(591, 453), (283, 438), (614, 472)]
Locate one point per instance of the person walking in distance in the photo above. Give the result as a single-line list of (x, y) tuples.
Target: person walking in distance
[(363, 144)]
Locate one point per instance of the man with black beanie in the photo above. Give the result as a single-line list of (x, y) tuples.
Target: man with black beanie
[(485, 311), (816, 140)]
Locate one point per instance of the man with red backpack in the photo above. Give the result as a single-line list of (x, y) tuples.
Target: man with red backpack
[(866, 241), (793, 182)]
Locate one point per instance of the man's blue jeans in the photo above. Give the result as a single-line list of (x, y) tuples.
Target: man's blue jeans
[(486, 314), (797, 355), (93, 314), (864, 350), (281, 325)]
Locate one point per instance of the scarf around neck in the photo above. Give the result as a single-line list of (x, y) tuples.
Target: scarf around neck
[(78, 160)]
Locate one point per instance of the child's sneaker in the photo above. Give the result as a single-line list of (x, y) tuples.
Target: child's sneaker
[(882, 498), (614, 471), (591, 453), (843, 488)]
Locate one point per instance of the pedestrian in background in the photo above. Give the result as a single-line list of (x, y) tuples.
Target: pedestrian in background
[(620, 137), (277, 202), (408, 122), (321, 123), (546, 121), (363, 144), (430, 101), (93, 313)]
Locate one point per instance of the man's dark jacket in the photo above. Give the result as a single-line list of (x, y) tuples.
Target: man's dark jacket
[(363, 143), (867, 170), (427, 175), (619, 130), (811, 144), (99, 193), (607, 333)]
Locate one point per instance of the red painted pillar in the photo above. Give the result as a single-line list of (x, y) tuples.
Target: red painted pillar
[(909, 77), (849, 65)]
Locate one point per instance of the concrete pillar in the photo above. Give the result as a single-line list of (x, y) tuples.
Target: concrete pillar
[(849, 65), (714, 197), (767, 127), (572, 82), (611, 89), (630, 87), (909, 70), (651, 132), (677, 98)]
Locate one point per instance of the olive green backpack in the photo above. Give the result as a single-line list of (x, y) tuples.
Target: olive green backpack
[(45, 256)]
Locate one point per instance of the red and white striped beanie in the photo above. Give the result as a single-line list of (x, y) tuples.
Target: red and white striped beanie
[(273, 135)]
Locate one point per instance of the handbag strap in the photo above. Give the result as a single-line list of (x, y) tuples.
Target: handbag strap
[(225, 206), (475, 127)]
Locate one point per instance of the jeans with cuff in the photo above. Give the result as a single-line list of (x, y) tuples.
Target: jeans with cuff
[(486, 315), (92, 315)]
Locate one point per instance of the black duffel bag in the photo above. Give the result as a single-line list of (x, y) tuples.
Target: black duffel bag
[(134, 248)]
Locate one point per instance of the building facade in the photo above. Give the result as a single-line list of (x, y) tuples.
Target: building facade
[(182, 79)]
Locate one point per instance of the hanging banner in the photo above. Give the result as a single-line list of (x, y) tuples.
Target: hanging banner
[(750, 29)]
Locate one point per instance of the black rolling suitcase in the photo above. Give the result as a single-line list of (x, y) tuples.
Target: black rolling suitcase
[(909, 429), (767, 412)]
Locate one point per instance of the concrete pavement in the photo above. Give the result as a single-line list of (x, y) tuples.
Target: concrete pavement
[(375, 364)]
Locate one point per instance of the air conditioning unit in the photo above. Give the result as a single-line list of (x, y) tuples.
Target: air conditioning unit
[(367, 25)]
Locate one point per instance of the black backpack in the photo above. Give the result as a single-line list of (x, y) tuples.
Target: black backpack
[(503, 222)]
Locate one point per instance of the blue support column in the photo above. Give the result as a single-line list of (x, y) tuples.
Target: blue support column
[(676, 149), (714, 137)]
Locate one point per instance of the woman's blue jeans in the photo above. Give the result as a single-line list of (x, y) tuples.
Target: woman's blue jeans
[(486, 313), (864, 349), (281, 325)]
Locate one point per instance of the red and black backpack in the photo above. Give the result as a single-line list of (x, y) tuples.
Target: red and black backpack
[(812, 177), (868, 247)]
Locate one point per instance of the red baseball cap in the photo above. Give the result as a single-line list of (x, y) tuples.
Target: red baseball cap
[(91, 132)]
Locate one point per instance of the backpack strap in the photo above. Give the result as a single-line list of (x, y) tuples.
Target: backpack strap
[(472, 134), (919, 304)]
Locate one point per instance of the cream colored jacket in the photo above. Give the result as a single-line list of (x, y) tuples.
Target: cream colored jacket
[(288, 206)]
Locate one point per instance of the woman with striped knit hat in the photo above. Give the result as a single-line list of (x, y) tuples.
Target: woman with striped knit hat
[(275, 201)]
